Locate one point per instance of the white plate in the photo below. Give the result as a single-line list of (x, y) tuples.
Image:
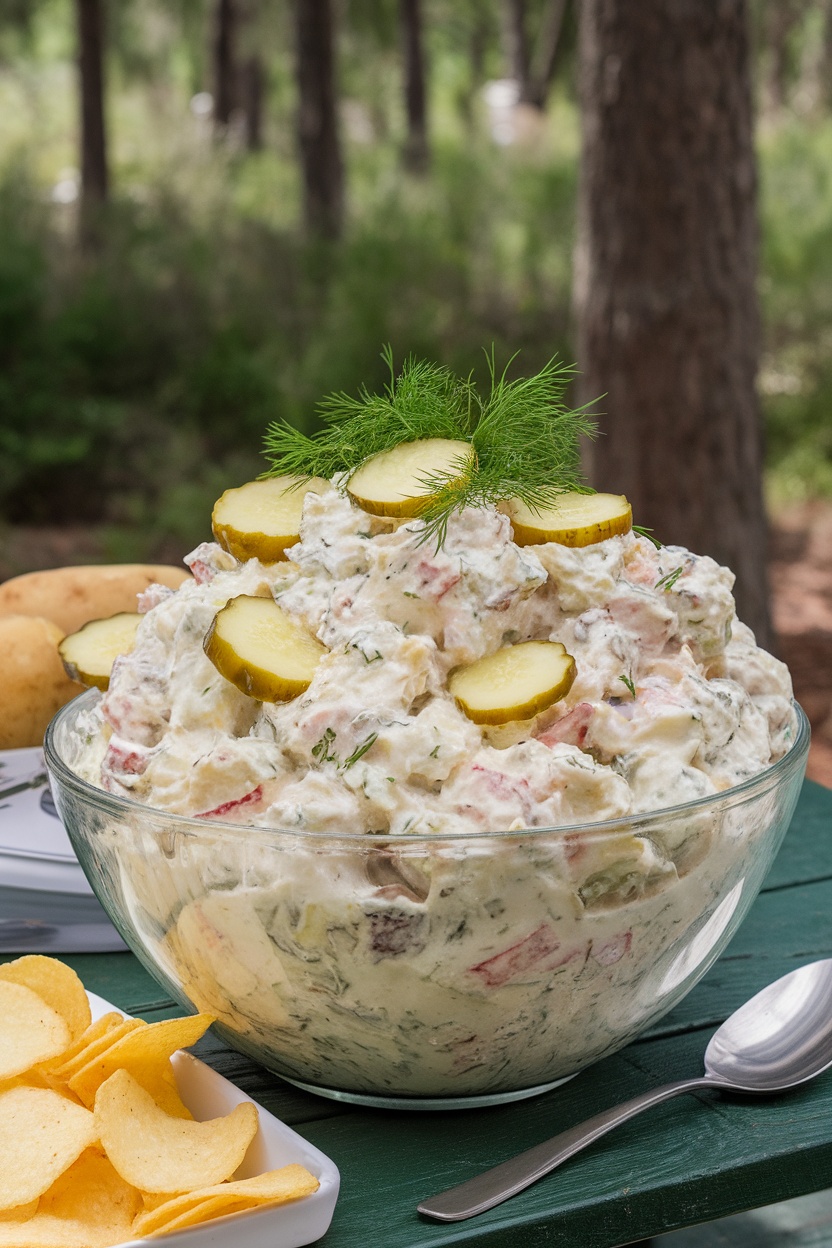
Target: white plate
[(209, 1095)]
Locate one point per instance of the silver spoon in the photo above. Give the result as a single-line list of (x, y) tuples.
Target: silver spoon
[(778, 1039)]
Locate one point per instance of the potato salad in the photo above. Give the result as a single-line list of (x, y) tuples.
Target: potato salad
[(410, 893), (671, 699)]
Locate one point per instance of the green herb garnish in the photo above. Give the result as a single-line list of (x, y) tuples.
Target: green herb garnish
[(628, 681), (361, 750), (368, 658), (321, 750), (648, 533), (525, 436), (667, 581)]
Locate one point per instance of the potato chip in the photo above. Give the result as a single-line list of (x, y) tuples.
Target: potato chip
[(204, 1210), (160, 1153), (97, 1042), (31, 1078), (275, 1187), (56, 984), (41, 1135), (92, 1191), (45, 1231), (30, 1030), (146, 1054), (95, 1030), (20, 1213), (88, 1206)]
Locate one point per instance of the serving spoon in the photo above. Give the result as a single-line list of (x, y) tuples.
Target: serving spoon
[(780, 1038)]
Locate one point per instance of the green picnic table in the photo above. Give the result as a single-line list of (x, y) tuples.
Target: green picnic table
[(693, 1159)]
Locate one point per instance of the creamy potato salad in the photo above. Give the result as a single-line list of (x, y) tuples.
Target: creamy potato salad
[(672, 700), (451, 967)]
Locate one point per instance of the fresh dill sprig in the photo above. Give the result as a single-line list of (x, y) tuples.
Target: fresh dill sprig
[(648, 533), (360, 751), (525, 436), (628, 681), (424, 401), (322, 749), (667, 581)]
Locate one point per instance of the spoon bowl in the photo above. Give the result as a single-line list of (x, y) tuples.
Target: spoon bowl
[(780, 1038)]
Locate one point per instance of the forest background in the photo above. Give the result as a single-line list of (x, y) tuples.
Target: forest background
[(158, 312)]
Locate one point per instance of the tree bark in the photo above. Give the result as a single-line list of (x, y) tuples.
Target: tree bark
[(416, 151), (517, 46), (95, 179), (545, 58), (225, 68), (253, 93), (320, 148), (825, 70), (665, 275)]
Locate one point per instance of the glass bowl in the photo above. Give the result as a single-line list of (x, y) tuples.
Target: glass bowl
[(425, 972)]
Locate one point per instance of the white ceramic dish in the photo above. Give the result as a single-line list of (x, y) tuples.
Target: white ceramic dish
[(208, 1095)]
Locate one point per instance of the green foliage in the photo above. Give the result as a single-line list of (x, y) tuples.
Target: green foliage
[(796, 377)]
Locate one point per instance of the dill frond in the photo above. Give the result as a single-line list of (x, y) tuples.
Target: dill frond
[(628, 681), (424, 401), (525, 436), (648, 533), (527, 444), (667, 581)]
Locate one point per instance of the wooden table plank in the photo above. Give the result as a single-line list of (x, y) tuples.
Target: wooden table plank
[(807, 850)]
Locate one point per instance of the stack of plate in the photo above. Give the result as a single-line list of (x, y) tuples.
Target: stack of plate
[(46, 904)]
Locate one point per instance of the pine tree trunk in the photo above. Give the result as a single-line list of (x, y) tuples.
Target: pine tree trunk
[(825, 69), (545, 58), (477, 48), (517, 46), (665, 275), (225, 70), (94, 169), (253, 91), (416, 152), (319, 142)]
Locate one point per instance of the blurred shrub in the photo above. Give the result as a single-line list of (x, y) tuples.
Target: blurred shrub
[(796, 377), (137, 383)]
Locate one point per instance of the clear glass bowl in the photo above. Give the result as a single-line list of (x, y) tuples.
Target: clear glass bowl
[(426, 972)]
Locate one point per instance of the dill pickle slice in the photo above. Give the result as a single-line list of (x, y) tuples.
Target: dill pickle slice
[(403, 481), (262, 650), (89, 654), (260, 519), (516, 682), (573, 520)]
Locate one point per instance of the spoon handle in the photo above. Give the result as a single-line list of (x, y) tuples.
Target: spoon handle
[(493, 1186)]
